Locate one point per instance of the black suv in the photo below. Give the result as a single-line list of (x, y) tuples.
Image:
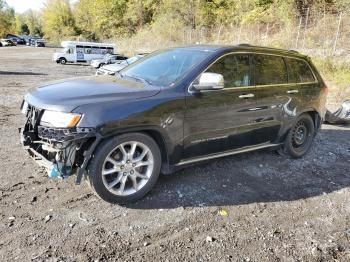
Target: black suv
[(173, 108)]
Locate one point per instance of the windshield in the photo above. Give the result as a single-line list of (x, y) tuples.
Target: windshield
[(165, 67), (107, 57), (131, 60)]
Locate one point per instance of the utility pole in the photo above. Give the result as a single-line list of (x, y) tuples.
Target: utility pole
[(337, 34), (267, 32), (324, 30), (298, 33), (306, 24), (239, 34)]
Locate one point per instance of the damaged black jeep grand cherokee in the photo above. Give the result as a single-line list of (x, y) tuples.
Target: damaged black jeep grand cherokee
[(173, 108)]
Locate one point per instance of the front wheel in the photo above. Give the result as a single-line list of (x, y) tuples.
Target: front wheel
[(62, 61), (299, 138), (125, 168)]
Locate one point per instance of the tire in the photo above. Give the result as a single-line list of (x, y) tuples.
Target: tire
[(299, 138), (109, 167), (62, 61)]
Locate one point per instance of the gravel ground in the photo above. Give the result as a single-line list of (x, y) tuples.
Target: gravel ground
[(253, 207)]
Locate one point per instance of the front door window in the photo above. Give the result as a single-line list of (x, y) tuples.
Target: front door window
[(234, 68)]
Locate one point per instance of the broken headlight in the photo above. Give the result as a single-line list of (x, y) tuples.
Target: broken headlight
[(59, 119)]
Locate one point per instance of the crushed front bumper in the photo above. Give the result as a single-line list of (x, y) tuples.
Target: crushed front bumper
[(60, 152), (36, 156)]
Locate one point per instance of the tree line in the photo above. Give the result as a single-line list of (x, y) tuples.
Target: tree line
[(98, 20)]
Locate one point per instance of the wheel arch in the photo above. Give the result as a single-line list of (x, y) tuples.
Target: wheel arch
[(316, 117), (159, 137), (313, 113), (62, 58)]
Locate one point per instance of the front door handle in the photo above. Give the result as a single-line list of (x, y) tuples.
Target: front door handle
[(294, 91), (246, 96)]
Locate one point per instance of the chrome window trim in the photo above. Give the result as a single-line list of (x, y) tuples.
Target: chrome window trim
[(254, 86)]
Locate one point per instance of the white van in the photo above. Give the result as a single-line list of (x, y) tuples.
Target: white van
[(82, 51)]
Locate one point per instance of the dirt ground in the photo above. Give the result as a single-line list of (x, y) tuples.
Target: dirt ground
[(278, 209)]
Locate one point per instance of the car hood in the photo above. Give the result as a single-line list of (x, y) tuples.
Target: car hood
[(69, 94), (113, 67), (96, 61)]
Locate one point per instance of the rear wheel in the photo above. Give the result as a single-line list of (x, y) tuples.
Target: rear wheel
[(300, 137), (62, 61), (125, 168)]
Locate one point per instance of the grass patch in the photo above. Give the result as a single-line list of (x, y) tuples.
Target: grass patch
[(336, 73)]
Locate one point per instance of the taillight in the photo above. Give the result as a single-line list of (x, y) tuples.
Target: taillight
[(325, 89)]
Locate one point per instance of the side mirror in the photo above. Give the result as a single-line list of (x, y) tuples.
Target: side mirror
[(209, 81)]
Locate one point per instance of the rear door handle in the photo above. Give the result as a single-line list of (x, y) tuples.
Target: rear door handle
[(246, 96), (294, 91)]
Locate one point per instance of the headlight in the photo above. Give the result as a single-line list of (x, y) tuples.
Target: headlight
[(59, 119)]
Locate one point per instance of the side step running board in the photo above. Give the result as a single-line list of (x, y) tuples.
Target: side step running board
[(227, 153)]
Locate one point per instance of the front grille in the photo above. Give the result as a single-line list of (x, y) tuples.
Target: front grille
[(55, 134)]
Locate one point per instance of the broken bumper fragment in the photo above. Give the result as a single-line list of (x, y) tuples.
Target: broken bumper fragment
[(341, 116)]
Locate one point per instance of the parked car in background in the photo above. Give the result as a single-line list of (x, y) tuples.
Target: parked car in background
[(7, 42), (16, 39), (174, 108), (32, 41), (74, 51), (37, 42), (107, 59), (29, 40), (26, 38), (113, 68)]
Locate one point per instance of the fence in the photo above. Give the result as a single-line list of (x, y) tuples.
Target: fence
[(313, 33)]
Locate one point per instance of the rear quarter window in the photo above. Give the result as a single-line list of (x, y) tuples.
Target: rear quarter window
[(269, 70), (299, 71)]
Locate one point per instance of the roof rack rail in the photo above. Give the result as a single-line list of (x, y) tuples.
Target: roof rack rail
[(293, 51), (244, 44)]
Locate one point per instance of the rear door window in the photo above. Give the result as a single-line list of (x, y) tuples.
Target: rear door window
[(235, 68), (269, 70), (299, 71)]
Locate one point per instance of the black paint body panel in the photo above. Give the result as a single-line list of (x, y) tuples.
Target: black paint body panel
[(190, 124)]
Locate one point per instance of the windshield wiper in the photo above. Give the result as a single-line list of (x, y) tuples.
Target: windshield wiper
[(119, 74), (140, 79)]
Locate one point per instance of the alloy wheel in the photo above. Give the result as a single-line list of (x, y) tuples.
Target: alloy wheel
[(127, 168)]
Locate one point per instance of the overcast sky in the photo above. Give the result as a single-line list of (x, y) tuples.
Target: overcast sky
[(23, 5)]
